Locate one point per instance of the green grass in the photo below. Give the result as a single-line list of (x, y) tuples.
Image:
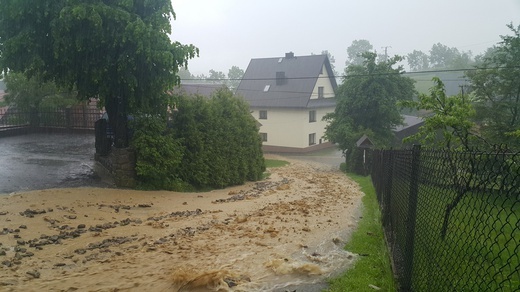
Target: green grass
[(373, 267), (270, 163), (275, 163), (480, 251)]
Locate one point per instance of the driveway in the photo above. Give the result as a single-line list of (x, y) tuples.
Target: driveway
[(331, 156), (43, 161)]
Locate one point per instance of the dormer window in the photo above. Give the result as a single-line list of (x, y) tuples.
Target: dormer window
[(280, 78), (266, 88)]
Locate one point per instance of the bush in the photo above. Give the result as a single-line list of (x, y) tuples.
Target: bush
[(158, 154), (209, 143), (221, 139)]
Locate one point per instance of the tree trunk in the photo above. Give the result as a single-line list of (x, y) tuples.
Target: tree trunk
[(118, 119)]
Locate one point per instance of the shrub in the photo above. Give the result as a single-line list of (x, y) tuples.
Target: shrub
[(158, 154), (209, 143)]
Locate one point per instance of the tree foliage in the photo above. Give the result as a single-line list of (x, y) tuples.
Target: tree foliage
[(367, 102), (356, 50), (442, 57), (25, 93), (496, 87), (418, 60), (216, 77), (450, 116), (118, 51), (234, 75)]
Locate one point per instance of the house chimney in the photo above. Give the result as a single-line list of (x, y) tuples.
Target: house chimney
[(289, 55)]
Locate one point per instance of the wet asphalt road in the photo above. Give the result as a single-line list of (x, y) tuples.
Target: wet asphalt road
[(43, 161)]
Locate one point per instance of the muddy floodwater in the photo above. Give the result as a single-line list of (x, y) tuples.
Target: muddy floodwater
[(263, 236), (284, 232)]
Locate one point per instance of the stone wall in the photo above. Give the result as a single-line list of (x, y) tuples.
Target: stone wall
[(120, 163)]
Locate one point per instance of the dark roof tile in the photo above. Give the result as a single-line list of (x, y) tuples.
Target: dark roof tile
[(301, 73)]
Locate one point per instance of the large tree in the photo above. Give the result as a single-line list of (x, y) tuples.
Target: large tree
[(235, 74), (355, 51), (216, 76), (367, 102), (418, 60), (496, 86), (442, 57), (118, 51)]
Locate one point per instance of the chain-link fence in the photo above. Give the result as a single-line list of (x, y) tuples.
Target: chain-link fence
[(451, 218)]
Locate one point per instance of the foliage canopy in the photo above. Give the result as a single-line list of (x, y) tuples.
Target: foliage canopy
[(496, 88), (451, 117), (118, 51), (367, 102), (26, 93)]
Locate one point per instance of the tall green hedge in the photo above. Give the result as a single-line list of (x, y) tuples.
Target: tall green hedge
[(208, 143)]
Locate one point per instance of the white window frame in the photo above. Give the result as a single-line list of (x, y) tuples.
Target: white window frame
[(312, 139), (312, 116)]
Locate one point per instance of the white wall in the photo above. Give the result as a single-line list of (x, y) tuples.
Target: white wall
[(324, 82), (291, 127)]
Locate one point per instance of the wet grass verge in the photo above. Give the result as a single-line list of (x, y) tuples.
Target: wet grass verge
[(270, 163), (372, 270), (275, 163)]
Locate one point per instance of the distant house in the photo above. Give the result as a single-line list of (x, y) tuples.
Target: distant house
[(289, 97), (410, 126)]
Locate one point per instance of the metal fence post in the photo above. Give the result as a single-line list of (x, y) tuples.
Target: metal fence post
[(411, 219), (387, 188), (68, 117)]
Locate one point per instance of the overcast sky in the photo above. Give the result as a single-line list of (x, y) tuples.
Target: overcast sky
[(231, 32)]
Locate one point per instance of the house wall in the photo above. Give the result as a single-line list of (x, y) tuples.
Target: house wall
[(323, 81), (291, 127)]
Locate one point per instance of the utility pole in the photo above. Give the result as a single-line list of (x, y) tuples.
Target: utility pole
[(462, 91), (386, 52)]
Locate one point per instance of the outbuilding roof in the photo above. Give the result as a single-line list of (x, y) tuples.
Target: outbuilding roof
[(285, 82), (409, 121), (202, 89)]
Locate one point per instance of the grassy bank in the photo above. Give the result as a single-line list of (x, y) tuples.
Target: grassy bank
[(372, 270)]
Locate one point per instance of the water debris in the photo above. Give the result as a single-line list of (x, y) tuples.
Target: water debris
[(30, 212), (188, 279), (286, 267), (35, 274)]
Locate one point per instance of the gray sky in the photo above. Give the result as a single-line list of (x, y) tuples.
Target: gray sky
[(231, 32)]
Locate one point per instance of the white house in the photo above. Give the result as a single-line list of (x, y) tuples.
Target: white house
[(289, 97)]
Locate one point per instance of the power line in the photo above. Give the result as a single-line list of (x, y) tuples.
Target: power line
[(357, 75)]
